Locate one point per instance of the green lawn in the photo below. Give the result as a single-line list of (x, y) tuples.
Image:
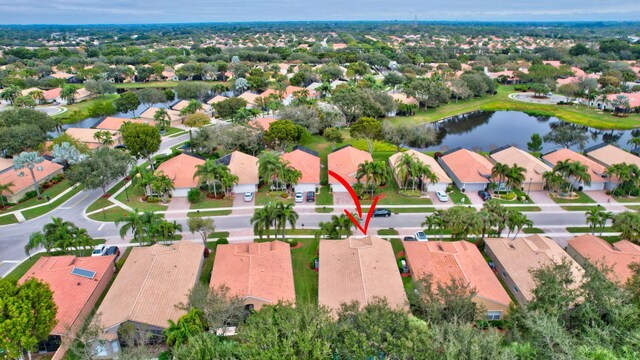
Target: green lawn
[(387, 232), (33, 213), (218, 235), (206, 203), (324, 197), (532, 230), (630, 199), (22, 269), (104, 202), (209, 213), (305, 279), (501, 102), (173, 131), (263, 197), (79, 111), (135, 194), (52, 192), (396, 245), (581, 199), (109, 215), (8, 219), (586, 229), (458, 196)]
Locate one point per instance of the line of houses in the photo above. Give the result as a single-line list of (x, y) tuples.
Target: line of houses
[(156, 280)]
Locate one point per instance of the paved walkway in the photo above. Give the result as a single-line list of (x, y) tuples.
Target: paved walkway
[(529, 98), (542, 198)]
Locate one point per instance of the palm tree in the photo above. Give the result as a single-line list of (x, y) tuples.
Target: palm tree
[(104, 138), (291, 176), (285, 214), (423, 172), (402, 167), (627, 223), (38, 96), (5, 188), (580, 173), (516, 176), (143, 178), (29, 160), (499, 214), (36, 240), (553, 181), (69, 93), (161, 117), (133, 222), (324, 89), (270, 167), (166, 230), (193, 107), (500, 171), (263, 219), (434, 221), (335, 228), (376, 173), (228, 180), (162, 184), (210, 173), (10, 93), (517, 221)]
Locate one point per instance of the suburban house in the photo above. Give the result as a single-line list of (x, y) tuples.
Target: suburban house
[(217, 99), (534, 167), (308, 163), (608, 155), (443, 178), (206, 108), (469, 170), (262, 123), (87, 137), (634, 101), (152, 281), (288, 94), (359, 269), (169, 76), (617, 256), (114, 123), (259, 273), (400, 98), (344, 161), (181, 170), (174, 116), (250, 98), (22, 180), (245, 167), (81, 95), (445, 261), (76, 283), (596, 170), (70, 78), (514, 259), (52, 95)]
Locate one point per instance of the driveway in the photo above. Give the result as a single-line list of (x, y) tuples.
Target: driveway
[(177, 208), (476, 200), (605, 200), (238, 203), (542, 198)]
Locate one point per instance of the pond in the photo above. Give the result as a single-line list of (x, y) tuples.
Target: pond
[(486, 131)]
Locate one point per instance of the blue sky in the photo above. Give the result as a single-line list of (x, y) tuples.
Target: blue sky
[(163, 11)]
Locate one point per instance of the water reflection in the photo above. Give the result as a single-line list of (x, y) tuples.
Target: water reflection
[(486, 131)]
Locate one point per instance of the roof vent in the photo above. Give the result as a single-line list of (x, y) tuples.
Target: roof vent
[(21, 174), (39, 168)]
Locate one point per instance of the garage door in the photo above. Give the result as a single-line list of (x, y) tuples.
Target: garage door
[(305, 188), (241, 189), (182, 192), (338, 188)]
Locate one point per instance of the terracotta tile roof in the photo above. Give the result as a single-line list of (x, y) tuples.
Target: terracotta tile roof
[(255, 270), (520, 256), (61, 75), (426, 159), (610, 155), (595, 169), (152, 281), (359, 269), (249, 97), (150, 112), (5, 163), (85, 135), (345, 163), (468, 166), (617, 256), (534, 166), (184, 103), (288, 92), (70, 292), (81, 94), (21, 179), (404, 98), (634, 98), (216, 99), (459, 259), (262, 123), (244, 166), (181, 169), (114, 123), (52, 94), (308, 164)]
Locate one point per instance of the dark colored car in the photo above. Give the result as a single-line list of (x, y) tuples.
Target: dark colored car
[(409, 238), (311, 196), (484, 195), (381, 212), (113, 250)]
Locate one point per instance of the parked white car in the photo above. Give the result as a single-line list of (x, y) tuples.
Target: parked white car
[(99, 250), (442, 196), (421, 236), (248, 196), (299, 197)]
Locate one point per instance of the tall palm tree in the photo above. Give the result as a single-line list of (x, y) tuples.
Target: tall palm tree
[(553, 181), (69, 93), (500, 171), (38, 95), (402, 168), (133, 222), (263, 219), (162, 184), (580, 173), (516, 176), (10, 93), (104, 138), (5, 188), (193, 107), (143, 178), (285, 214), (36, 240), (270, 167), (210, 174), (291, 176), (161, 117), (228, 180), (517, 221), (29, 160), (499, 214)]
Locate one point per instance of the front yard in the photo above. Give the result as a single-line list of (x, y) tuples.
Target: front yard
[(136, 200), (581, 198)]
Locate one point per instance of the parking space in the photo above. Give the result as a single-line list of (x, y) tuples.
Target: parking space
[(475, 199), (239, 204)]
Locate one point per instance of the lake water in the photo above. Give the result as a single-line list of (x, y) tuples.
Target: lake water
[(486, 131)]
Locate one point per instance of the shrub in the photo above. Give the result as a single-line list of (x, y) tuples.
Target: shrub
[(222, 241), (410, 193), (197, 120), (153, 199), (28, 195), (194, 195), (292, 242)]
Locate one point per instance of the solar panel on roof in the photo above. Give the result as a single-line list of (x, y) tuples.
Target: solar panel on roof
[(83, 272)]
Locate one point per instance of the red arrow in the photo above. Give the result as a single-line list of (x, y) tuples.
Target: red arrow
[(357, 202)]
